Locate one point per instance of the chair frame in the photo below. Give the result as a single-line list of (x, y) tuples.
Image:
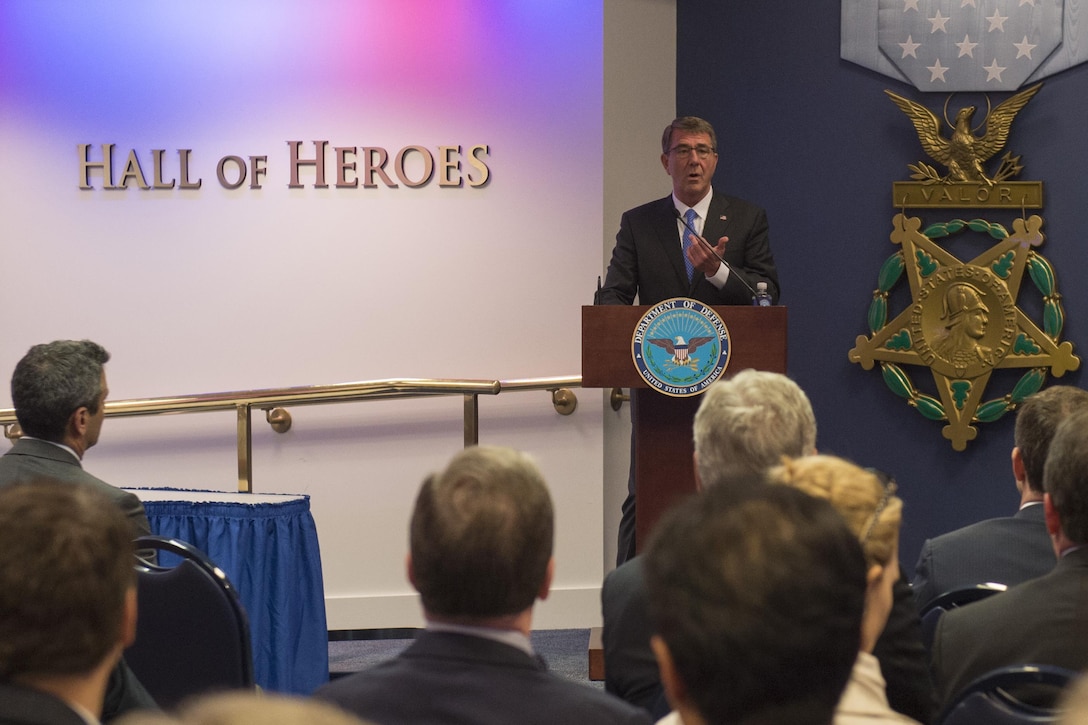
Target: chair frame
[(952, 599), (194, 556), (994, 687)]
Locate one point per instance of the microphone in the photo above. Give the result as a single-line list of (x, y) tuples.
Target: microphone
[(709, 248), (597, 294)]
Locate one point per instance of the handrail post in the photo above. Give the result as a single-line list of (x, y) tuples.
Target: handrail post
[(472, 420), (245, 449)]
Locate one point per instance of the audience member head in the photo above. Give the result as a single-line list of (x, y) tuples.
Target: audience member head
[(246, 708), (873, 513), (1036, 421), (67, 585), (757, 597), (481, 537), (1065, 479), (747, 423), (689, 124), (60, 384)]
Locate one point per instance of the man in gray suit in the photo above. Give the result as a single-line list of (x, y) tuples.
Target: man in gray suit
[(59, 391), (1043, 620), (1011, 549)]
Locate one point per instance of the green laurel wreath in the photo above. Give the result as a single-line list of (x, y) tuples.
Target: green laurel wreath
[(899, 382)]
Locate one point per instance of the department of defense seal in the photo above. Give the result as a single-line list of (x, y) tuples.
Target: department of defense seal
[(680, 347)]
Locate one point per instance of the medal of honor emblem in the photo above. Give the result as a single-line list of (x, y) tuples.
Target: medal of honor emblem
[(963, 320)]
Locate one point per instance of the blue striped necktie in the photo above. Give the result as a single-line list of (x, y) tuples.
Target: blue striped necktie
[(690, 216)]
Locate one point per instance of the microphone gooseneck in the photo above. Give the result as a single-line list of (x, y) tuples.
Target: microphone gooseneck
[(706, 244)]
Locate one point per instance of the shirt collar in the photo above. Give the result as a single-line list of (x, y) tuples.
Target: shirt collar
[(1070, 550), (58, 445), (702, 207), (510, 637), (87, 715)]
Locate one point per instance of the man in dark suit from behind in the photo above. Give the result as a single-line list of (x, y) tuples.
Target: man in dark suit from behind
[(746, 424), (1042, 620), (59, 392), (757, 596), (1011, 549), (67, 601), (481, 539)]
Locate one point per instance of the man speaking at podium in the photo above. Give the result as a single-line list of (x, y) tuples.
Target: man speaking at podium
[(693, 243)]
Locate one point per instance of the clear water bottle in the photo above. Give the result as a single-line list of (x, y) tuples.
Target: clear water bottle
[(763, 297)]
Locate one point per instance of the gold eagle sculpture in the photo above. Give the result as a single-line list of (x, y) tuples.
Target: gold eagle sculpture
[(964, 153)]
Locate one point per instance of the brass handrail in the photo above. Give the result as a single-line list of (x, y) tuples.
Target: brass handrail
[(273, 400)]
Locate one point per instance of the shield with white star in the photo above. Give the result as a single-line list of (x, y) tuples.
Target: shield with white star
[(969, 45)]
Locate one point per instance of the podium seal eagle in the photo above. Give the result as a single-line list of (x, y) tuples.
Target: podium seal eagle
[(680, 347)]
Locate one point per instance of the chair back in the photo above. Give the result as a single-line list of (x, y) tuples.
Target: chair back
[(932, 611), (192, 633), (996, 697)]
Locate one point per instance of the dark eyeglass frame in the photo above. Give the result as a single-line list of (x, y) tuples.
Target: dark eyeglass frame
[(683, 151)]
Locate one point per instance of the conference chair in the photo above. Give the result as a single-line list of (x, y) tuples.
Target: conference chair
[(192, 633), (932, 611), (1018, 695)]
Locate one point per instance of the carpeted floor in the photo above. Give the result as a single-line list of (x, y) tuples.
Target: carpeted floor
[(565, 651)]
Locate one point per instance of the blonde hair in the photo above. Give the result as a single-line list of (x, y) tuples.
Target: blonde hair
[(868, 504)]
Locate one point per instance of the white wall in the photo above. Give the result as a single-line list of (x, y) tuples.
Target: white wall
[(213, 289), (639, 101)]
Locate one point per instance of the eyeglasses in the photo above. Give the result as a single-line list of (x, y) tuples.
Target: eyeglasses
[(889, 489), (685, 152)]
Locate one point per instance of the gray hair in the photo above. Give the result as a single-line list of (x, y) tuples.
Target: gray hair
[(747, 423), (691, 124), (52, 381)]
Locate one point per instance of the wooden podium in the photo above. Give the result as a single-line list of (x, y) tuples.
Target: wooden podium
[(662, 427)]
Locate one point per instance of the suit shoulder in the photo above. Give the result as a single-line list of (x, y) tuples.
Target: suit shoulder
[(735, 203), (972, 532), (626, 575), (651, 208), (575, 702), (385, 693), (973, 539)]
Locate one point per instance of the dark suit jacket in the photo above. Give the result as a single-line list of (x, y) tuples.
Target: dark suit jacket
[(24, 706), (1007, 551), (648, 259), (30, 459), (458, 679), (630, 670), (1042, 621)]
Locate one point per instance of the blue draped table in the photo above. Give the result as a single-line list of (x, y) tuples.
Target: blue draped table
[(267, 545)]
